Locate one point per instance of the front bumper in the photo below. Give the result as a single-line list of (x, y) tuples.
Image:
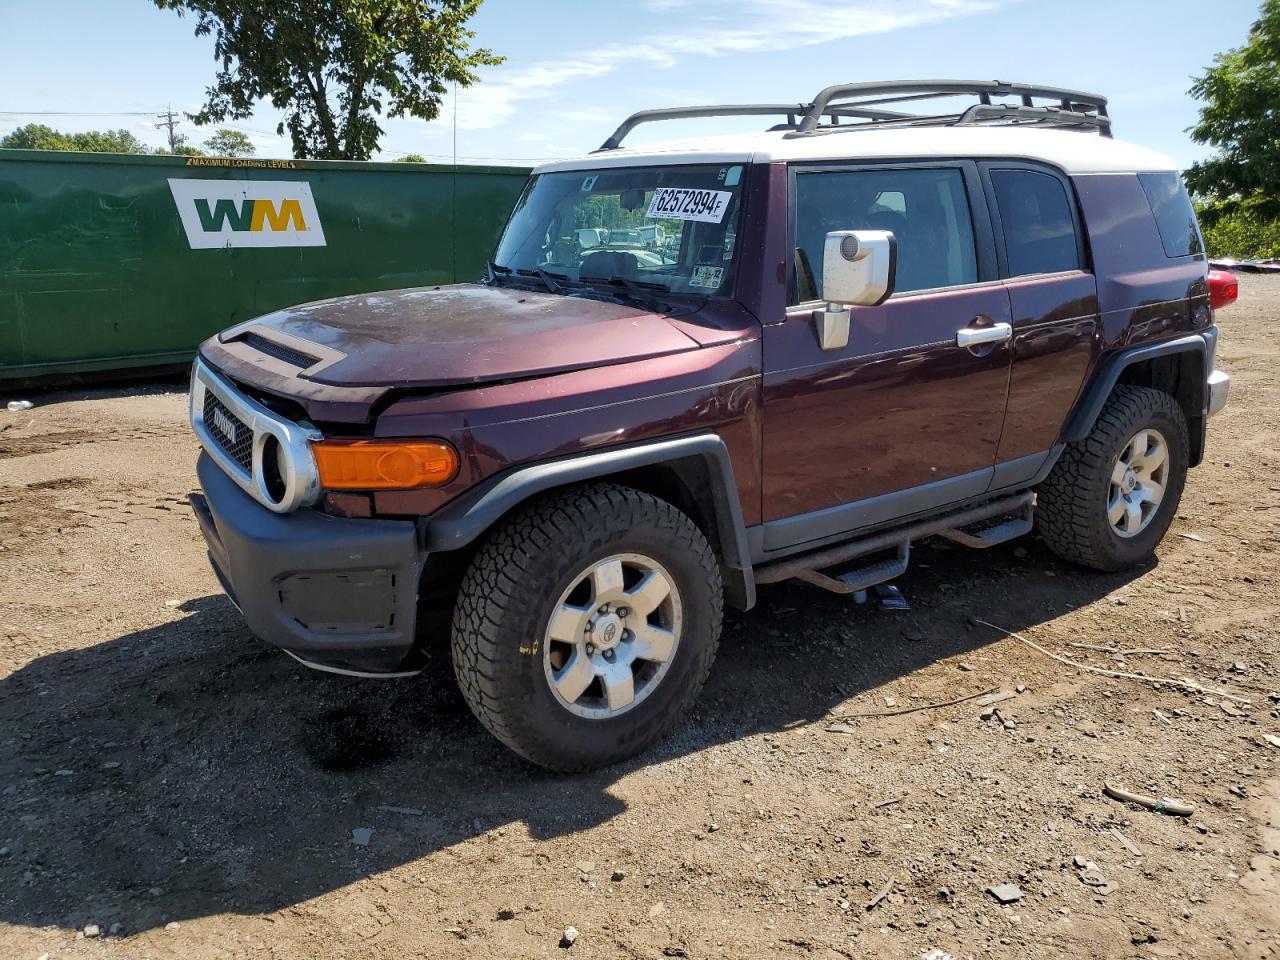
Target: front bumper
[(337, 593), (1219, 385)]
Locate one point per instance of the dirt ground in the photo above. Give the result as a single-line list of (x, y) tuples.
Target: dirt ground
[(166, 777)]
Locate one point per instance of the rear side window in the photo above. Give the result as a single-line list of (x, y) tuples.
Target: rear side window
[(1035, 214), (1175, 218), (927, 211)]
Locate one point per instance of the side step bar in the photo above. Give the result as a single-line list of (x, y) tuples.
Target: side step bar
[(806, 567), (856, 581), (1015, 526)]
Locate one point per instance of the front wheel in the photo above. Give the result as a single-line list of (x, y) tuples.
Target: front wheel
[(1111, 496), (586, 626)]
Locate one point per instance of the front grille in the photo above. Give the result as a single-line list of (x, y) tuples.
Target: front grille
[(230, 432), (278, 350)]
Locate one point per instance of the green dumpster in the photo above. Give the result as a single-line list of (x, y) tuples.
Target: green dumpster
[(111, 261)]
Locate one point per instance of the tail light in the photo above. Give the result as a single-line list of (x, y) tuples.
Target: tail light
[(1224, 289), (383, 464)]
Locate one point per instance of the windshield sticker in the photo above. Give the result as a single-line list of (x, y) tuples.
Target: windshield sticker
[(588, 183), (730, 176), (704, 276), (681, 203)]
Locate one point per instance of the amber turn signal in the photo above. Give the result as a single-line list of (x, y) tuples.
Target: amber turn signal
[(384, 464)]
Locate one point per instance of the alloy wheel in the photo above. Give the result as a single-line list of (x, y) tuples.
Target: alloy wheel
[(1138, 482), (612, 636)]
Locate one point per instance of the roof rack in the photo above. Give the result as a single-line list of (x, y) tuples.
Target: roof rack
[(867, 103)]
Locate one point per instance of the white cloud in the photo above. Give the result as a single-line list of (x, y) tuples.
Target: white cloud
[(723, 28)]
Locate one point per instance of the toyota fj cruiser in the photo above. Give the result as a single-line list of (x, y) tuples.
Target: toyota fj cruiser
[(699, 367)]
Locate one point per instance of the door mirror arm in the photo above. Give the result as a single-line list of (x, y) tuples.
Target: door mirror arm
[(859, 268)]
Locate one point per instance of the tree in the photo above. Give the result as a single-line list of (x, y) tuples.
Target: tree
[(1240, 119), (411, 158), (108, 141), (229, 143), (334, 66), (36, 136)]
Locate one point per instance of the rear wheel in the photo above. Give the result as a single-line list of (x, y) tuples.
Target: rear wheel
[(1111, 496), (586, 626)]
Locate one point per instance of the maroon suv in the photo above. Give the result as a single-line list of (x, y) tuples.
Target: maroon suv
[(698, 367)]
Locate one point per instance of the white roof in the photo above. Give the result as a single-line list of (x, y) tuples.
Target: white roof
[(1072, 151)]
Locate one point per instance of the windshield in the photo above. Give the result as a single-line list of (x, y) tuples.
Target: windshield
[(669, 228)]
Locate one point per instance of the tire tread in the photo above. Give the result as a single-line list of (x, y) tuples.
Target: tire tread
[(1066, 511), (509, 561)]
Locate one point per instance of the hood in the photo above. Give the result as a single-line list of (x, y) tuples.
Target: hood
[(455, 335)]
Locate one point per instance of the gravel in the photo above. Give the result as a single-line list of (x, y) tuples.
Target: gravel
[(243, 773)]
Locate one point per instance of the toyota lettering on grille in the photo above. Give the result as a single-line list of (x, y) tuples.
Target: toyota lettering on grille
[(226, 426)]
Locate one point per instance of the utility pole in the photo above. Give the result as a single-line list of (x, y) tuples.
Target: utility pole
[(170, 119)]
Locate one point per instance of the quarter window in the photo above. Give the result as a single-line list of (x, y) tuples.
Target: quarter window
[(926, 210), (1175, 217), (1035, 214)]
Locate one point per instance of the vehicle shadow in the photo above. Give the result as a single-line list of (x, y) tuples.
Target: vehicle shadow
[(186, 770)]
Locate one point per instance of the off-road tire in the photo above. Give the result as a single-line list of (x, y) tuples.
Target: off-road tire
[(507, 597), (1071, 504)]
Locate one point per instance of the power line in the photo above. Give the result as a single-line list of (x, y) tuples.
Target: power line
[(77, 113), (450, 157), (170, 116)]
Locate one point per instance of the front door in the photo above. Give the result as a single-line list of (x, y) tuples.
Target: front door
[(904, 418)]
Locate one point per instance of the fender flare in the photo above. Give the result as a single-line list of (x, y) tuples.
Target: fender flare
[(1104, 381), (464, 520)]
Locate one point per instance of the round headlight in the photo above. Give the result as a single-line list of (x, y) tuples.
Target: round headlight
[(275, 468)]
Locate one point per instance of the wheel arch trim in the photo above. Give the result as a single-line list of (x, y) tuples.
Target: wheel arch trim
[(1104, 382), (465, 519)]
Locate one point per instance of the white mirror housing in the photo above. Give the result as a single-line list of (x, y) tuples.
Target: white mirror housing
[(858, 267)]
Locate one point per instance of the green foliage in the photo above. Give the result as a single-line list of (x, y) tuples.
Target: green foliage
[(226, 142), (411, 158), (1240, 119), (334, 66), (603, 210), (108, 141), (36, 136), (1244, 230)]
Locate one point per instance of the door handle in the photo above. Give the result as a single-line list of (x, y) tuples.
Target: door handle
[(977, 336)]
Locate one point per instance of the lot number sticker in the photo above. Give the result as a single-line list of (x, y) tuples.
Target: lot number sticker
[(681, 203)]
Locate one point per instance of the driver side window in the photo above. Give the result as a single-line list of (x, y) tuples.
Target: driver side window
[(927, 211)]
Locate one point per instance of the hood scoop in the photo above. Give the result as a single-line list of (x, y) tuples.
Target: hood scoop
[(291, 355)]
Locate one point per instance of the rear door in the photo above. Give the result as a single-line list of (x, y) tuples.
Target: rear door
[(902, 419), (1054, 301)]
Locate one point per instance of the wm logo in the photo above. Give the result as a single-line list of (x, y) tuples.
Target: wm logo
[(250, 215), (217, 214)]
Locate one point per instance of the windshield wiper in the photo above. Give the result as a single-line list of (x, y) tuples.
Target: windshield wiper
[(493, 270), (548, 279), (634, 287)]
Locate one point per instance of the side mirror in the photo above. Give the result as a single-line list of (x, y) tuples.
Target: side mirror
[(858, 269)]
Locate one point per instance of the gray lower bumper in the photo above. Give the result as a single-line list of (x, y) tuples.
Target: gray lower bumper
[(1219, 385), (337, 593)]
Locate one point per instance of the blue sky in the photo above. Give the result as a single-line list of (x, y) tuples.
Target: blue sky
[(575, 68)]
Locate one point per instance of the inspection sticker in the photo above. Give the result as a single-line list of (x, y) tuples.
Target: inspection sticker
[(681, 203), (704, 276)]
